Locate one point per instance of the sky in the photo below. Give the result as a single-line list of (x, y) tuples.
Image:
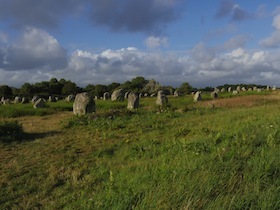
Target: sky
[(202, 42)]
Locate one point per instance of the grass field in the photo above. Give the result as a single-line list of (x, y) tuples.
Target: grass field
[(215, 154)]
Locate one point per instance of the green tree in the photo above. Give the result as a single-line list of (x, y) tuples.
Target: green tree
[(100, 90), (69, 88), (5, 91), (26, 90), (185, 88)]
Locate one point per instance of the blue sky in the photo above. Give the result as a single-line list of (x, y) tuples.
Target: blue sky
[(205, 43)]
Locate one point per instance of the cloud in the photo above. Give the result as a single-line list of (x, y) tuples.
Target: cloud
[(238, 41), (273, 41), (149, 16), (3, 37), (37, 13), (228, 8), (153, 42), (35, 49)]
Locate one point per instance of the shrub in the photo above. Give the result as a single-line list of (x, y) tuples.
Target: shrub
[(10, 131)]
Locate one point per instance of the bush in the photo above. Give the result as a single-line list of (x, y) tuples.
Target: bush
[(10, 131)]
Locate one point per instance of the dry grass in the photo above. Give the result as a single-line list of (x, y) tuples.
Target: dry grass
[(242, 101)]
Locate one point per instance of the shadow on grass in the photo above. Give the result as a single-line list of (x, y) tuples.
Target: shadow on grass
[(27, 137)]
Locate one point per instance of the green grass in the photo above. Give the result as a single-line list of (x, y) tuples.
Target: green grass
[(10, 131), (196, 159)]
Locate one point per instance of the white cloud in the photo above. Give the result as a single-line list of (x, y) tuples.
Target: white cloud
[(274, 39), (3, 38), (153, 42), (35, 49)]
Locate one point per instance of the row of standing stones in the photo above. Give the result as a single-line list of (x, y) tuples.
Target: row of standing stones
[(84, 104)]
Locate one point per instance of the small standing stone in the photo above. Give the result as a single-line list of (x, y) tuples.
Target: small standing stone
[(161, 99), (40, 103), (106, 96), (118, 95)]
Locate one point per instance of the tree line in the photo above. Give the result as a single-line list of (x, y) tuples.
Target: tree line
[(64, 87)]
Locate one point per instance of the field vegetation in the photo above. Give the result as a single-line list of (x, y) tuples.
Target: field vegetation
[(214, 154)]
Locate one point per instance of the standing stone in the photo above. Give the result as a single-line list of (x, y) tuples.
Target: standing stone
[(223, 90), (238, 88), (229, 89), (162, 100), (140, 95), (152, 95), (126, 95), (133, 101), (70, 98), (214, 95), (250, 89), (118, 95), (267, 87), (83, 104), (17, 100), (52, 99), (243, 89), (176, 93), (106, 96), (274, 87), (259, 90), (235, 92), (34, 99), (146, 95), (197, 96), (255, 88), (6, 102), (40, 103), (24, 100)]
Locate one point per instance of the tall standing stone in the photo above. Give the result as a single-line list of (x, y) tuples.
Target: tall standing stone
[(118, 95), (133, 101), (214, 95), (83, 104), (17, 100)]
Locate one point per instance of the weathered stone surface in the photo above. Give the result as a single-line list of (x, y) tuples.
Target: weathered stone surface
[(197, 96), (162, 100), (214, 95), (40, 103), (133, 101), (83, 104), (118, 95), (106, 96), (235, 92)]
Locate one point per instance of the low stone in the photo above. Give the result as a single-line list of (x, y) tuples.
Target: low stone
[(214, 95)]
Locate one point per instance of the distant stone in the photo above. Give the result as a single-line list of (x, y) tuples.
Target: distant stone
[(95, 97), (162, 100), (267, 88), (243, 89), (40, 103), (176, 93), (106, 96), (83, 104), (238, 88), (235, 92), (229, 89), (146, 94), (24, 100), (126, 95), (52, 99), (152, 95), (214, 95), (34, 99), (255, 88), (250, 89), (274, 87), (118, 95), (197, 96), (223, 90), (217, 90), (140, 95), (6, 102), (133, 101), (259, 90), (70, 98), (17, 100)]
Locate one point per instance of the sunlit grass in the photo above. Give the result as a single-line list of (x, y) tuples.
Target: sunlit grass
[(186, 157)]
